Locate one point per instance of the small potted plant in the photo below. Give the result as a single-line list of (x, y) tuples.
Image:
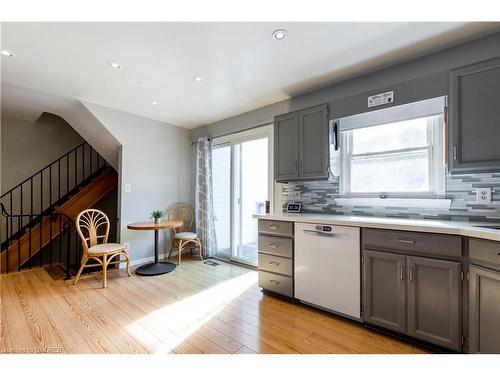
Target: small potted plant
[(157, 215)]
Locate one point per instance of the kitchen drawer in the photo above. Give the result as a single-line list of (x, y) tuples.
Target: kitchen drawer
[(484, 252), (412, 242), (275, 264), (276, 245), (276, 283), (276, 227)]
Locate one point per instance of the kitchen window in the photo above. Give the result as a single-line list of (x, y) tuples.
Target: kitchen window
[(394, 153)]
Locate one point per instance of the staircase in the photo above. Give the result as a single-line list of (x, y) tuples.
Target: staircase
[(43, 208)]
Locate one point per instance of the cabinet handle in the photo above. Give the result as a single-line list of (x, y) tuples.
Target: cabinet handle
[(402, 272), (273, 226), (274, 246), (407, 241), (411, 274), (274, 281), (454, 152), (301, 167), (276, 263)]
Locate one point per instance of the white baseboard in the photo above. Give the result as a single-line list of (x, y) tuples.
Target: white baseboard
[(136, 262)]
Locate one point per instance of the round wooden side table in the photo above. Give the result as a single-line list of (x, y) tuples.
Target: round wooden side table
[(156, 268)]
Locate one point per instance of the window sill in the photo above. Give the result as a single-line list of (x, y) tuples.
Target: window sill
[(396, 202)]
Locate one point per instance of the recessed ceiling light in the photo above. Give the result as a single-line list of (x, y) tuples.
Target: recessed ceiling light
[(154, 103), (279, 34), (199, 79), (7, 53), (114, 64)]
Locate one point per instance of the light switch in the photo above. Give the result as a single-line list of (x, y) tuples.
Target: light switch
[(128, 188)]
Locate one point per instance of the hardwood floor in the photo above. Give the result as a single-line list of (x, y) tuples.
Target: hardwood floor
[(195, 309)]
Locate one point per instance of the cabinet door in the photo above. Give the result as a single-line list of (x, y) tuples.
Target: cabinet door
[(484, 311), (434, 301), (313, 143), (475, 118), (286, 147), (384, 290)]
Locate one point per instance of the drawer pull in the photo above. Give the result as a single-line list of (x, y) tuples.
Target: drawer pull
[(273, 226), (274, 281), (274, 245), (276, 263), (407, 241)]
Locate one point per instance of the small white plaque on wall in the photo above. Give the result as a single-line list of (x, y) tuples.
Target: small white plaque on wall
[(381, 99)]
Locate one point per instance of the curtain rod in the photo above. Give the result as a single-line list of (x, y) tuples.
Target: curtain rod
[(236, 132)]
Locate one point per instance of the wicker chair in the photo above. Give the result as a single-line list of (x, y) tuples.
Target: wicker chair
[(184, 238), (93, 229)]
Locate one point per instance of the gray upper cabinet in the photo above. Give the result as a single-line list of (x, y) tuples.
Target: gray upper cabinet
[(474, 118), (484, 310), (286, 147), (434, 301), (301, 149), (313, 143), (384, 290)]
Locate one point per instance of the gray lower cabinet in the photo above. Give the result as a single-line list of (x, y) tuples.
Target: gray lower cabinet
[(434, 301), (276, 256), (474, 118), (384, 290), (419, 296), (301, 145), (484, 310)]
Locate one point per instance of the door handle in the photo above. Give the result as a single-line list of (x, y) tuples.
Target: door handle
[(407, 241), (402, 272), (276, 263), (411, 274)]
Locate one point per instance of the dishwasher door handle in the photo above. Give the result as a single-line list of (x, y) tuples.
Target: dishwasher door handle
[(331, 234)]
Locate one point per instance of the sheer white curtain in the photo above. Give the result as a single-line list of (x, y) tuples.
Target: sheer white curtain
[(205, 218)]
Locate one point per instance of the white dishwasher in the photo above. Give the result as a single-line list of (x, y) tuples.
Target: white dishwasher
[(327, 267)]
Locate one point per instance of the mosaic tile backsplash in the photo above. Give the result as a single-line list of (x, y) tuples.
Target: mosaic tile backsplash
[(319, 197)]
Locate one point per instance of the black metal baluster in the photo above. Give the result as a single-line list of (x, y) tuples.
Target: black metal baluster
[(19, 247), (41, 219), (67, 251), (58, 180), (91, 157), (21, 208), (31, 219), (60, 239), (76, 168), (50, 217), (11, 218), (83, 163), (67, 174)]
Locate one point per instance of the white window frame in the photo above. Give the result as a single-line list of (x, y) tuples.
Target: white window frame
[(436, 171)]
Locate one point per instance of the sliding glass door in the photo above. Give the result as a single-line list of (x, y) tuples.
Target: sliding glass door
[(242, 185)]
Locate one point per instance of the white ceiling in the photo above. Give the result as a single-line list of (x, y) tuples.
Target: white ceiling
[(244, 67)]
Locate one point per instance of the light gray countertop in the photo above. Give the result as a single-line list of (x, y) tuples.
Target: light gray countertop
[(428, 225)]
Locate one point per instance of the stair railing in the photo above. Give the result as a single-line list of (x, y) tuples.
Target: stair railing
[(63, 248), (39, 194)]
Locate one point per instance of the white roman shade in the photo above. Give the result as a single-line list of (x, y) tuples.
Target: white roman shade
[(402, 112)]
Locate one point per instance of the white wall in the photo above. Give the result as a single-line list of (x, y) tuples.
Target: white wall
[(28, 146), (157, 160)]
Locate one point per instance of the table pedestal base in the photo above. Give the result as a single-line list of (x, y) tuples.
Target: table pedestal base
[(153, 269)]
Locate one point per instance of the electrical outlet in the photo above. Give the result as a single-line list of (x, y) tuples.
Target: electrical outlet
[(126, 246), (294, 195), (483, 195)]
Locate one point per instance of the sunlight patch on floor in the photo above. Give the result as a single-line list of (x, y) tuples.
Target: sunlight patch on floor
[(184, 317)]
